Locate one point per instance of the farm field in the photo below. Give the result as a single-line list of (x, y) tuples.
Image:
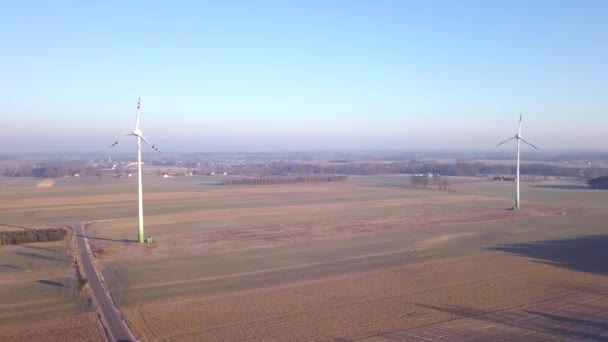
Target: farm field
[(79, 327), (40, 296), (369, 258), (492, 296), (37, 282)]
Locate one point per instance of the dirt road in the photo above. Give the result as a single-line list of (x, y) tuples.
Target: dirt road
[(111, 319)]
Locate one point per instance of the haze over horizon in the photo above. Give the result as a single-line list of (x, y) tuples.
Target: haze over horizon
[(313, 75)]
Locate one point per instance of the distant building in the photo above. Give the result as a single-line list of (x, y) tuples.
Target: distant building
[(504, 179)]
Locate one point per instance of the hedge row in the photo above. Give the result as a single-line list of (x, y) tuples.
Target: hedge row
[(18, 237)]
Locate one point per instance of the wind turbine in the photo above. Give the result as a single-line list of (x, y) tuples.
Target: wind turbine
[(139, 135), (519, 138)]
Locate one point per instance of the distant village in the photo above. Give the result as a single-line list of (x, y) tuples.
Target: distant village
[(290, 165)]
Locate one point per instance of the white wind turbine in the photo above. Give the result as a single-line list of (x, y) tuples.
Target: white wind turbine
[(139, 135), (519, 138)]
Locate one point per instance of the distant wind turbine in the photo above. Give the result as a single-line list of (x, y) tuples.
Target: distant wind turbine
[(139, 135), (519, 138)]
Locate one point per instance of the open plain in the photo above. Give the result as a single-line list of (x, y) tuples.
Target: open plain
[(365, 259), (40, 297)]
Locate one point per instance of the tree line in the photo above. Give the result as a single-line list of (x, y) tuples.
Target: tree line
[(17, 237), (598, 183), (55, 169), (421, 181), (447, 169), (62, 168), (281, 180)]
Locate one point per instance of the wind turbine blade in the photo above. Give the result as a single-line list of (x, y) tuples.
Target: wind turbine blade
[(116, 142), (137, 115), (511, 138), (145, 140), (529, 143), (519, 129), (149, 143)]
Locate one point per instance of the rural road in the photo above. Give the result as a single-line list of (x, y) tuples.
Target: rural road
[(111, 319)]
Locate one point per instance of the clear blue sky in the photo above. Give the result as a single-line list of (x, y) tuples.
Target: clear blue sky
[(265, 75)]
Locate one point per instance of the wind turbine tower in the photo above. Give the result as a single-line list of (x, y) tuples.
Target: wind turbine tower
[(519, 138), (139, 135)]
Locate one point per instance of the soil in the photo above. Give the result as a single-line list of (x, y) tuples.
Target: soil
[(82, 327), (479, 297), (249, 237)]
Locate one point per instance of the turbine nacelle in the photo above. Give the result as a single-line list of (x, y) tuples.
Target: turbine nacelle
[(137, 131), (518, 137)]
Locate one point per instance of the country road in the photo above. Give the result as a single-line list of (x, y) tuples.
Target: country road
[(111, 318)]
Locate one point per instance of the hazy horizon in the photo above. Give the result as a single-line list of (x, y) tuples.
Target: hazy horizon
[(349, 154), (307, 76)]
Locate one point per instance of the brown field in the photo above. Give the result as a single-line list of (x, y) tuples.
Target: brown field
[(39, 296), (465, 294), (364, 259), (82, 327), (37, 283), (248, 236)]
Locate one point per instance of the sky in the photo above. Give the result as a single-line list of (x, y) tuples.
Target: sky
[(302, 75)]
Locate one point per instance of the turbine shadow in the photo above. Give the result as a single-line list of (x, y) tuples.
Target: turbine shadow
[(585, 254), (38, 248), (34, 255), (562, 186), (571, 320), (465, 206), (51, 283), (106, 239), (13, 226), (12, 267), (531, 323)]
